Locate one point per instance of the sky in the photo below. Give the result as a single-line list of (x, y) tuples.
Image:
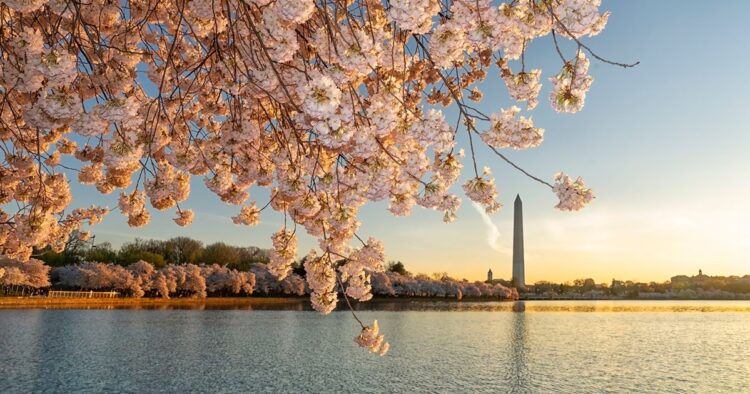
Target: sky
[(664, 145)]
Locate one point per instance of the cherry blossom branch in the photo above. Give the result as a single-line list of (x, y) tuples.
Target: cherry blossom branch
[(581, 44)]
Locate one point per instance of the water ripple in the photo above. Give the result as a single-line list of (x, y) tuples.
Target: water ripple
[(217, 351)]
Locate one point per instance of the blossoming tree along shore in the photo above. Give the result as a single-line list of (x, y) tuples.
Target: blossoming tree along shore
[(329, 104), (141, 279)]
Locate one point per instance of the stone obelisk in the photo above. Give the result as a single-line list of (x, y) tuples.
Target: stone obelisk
[(519, 275)]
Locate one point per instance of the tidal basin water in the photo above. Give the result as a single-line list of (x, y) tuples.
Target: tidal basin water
[(571, 346)]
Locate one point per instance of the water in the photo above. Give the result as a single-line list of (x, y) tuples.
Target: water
[(576, 346)]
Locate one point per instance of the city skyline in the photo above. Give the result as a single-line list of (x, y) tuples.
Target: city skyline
[(669, 196)]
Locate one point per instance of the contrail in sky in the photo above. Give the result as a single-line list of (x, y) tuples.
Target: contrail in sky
[(493, 233)]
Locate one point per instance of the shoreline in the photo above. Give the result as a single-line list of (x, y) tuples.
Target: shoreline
[(376, 304), (7, 302), (10, 302)]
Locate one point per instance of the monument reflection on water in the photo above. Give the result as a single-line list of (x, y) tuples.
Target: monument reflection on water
[(518, 371)]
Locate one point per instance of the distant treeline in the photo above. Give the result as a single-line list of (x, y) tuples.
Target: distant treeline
[(159, 253), (678, 287)]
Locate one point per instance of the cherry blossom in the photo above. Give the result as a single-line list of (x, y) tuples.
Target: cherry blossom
[(327, 108), (372, 340), (184, 217), (356, 271), (283, 254), (32, 273), (570, 86), (481, 189), (321, 277), (580, 17), (413, 15), (573, 194), (523, 86), (249, 216), (509, 131)]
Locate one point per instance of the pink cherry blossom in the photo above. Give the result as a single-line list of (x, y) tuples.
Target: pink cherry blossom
[(324, 107)]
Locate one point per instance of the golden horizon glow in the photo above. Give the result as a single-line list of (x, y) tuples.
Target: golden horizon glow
[(599, 242)]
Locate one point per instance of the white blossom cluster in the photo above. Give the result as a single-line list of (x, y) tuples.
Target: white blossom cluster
[(414, 15), (184, 217), (168, 187), (356, 271), (524, 86), (508, 130), (283, 254), (573, 194), (482, 190), (448, 44), (321, 278), (294, 11), (570, 86), (580, 17), (371, 339), (249, 216), (134, 206)]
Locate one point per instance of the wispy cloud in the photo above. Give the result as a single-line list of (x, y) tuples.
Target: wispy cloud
[(493, 233)]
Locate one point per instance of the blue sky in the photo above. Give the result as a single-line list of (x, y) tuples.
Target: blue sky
[(664, 146)]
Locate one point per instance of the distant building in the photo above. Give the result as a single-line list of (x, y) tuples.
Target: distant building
[(489, 276), (519, 274), (680, 279)]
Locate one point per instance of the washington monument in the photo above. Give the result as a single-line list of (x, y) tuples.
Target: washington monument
[(519, 275)]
